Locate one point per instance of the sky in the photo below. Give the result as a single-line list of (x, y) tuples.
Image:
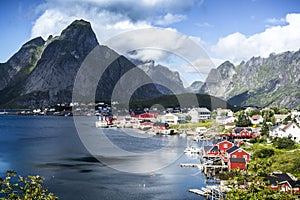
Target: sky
[(233, 30)]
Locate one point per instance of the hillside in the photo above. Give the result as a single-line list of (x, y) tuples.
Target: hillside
[(272, 81)]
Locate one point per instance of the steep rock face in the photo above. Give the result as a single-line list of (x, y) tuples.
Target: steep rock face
[(272, 81), (51, 77), (56, 70), (22, 63), (219, 82), (195, 87), (167, 81)]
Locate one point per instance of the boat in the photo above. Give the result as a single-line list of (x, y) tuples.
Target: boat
[(192, 150), (101, 124)]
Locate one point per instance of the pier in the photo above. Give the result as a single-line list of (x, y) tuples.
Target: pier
[(199, 192)]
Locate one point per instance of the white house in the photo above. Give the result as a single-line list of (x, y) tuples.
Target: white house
[(201, 130), (289, 130), (279, 117), (225, 112), (173, 118), (194, 115), (256, 119), (222, 120), (204, 113), (198, 114)]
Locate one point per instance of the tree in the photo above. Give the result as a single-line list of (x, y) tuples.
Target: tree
[(188, 118), (253, 112), (263, 153), (268, 116), (287, 119), (24, 188), (253, 188), (260, 166), (264, 129), (243, 120), (284, 143)]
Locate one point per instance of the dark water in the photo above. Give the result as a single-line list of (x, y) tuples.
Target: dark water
[(51, 147)]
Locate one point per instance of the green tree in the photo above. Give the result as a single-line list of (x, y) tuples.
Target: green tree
[(243, 120), (253, 112), (260, 166), (263, 153), (253, 188), (265, 129), (284, 143), (188, 118), (23, 188), (287, 119)]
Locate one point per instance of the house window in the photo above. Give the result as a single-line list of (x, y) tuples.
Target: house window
[(245, 156), (233, 156), (225, 145)]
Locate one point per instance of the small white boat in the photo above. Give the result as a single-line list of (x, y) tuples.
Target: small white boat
[(192, 150), (101, 124)]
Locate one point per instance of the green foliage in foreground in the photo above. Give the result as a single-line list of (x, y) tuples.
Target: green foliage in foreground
[(23, 188), (247, 186)]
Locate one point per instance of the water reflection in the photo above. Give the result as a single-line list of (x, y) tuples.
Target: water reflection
[(50, 146)]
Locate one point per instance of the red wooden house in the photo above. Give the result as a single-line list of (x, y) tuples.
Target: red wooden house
[(158, 126), (223, 146), (237, 163), (241, 132), (283, 182), (237, 152), (210, 151)]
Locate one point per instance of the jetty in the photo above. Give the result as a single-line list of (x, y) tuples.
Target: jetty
[(210, 191), (199, 192)]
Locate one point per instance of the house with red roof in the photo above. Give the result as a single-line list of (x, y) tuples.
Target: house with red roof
[(223, 146), (237, 152), (284, 182), (242, 132), (237, 163), (256, 119)]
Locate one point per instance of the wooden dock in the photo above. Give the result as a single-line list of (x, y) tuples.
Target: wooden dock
[(199, 192), (189, 165)]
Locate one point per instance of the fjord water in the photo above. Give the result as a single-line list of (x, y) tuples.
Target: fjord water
[(50, 147)]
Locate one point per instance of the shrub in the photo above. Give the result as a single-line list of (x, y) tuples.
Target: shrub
[(284, 143), (23, 188), (263, 153)]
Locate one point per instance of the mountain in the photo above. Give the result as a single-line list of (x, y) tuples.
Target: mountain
[(43, 72), (166, 81), (195, 87), (18, 67), (271, 81)]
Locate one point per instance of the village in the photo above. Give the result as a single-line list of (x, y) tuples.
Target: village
[(252, 142), (234, 142)]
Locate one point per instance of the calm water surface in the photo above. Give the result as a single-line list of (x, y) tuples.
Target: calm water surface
[(51, 147)]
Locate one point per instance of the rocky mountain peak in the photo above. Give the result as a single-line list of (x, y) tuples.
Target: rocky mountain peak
[(271, 81), (79, 32)]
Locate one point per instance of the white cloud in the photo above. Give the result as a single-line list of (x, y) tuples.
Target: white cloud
[(237, 47), (157, 44), (275, 21), (170, 19), (108, 18), (204, 25)]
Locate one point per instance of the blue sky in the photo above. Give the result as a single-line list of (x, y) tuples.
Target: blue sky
[(227, 30)]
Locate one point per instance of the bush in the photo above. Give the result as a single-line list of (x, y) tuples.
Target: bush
[(23, 188), (284, 143), (263, 153)]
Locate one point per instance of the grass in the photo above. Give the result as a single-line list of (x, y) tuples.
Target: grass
[(284, 160)]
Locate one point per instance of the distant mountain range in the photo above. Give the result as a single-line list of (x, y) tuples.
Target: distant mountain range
[(43, 72), (272, 81)]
